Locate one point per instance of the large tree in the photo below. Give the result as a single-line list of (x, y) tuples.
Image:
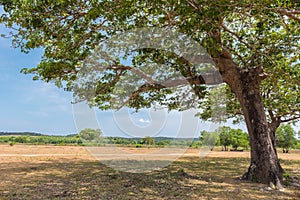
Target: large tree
[(254, 45)]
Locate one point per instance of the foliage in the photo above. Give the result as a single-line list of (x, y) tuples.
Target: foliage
[(234, 137), (162, 143), (225, 136), (11, 143), (42, 139), (148, 141), (69, 30), (210, 139), (286, 137), (298, 145), (196, 144), (22, 139), (90, 136), (239, 139)]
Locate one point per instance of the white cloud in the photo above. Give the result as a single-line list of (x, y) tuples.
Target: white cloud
[(142, 120)]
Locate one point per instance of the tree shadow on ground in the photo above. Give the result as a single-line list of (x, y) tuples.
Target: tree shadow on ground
[(188, 178)]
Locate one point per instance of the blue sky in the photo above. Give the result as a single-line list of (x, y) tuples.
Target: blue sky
[(28, 105)]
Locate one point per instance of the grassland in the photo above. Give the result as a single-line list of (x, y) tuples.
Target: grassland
[(70, 172)]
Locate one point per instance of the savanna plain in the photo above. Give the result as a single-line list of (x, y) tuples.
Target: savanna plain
[(71, 172)]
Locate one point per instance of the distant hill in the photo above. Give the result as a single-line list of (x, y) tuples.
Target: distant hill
[(20, 133), (32, 134), (71, 135)]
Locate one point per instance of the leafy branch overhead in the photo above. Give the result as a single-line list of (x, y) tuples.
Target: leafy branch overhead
[(264, 34)]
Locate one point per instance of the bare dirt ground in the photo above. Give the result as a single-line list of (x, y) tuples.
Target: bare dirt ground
[(37, 153), (71, 172), (45, 152)]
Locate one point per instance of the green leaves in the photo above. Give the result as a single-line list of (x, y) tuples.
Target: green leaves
[(285, 137), (226, 137), (90, 135), (234, 137), (210, 139)]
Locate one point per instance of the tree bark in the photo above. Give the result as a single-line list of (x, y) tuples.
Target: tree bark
[(273, 125), (264, 166)]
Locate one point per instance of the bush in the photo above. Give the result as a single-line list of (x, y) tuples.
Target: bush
[(196, 144), (11, 143), (163, 143), (22, 139), (298, 145)]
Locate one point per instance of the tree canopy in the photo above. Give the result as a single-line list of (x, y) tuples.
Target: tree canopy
[(90, 135), (210, 139), (234, 137), (255, 34), (286, 137)]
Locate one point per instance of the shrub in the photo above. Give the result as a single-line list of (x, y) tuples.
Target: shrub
[(298, 145), (11, 143)]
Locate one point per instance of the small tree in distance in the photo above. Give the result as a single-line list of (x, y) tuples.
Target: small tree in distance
[(148, 141), (239, 139), (225, 136), (210, 139), (232, 137), (286, 137), (90, 135)]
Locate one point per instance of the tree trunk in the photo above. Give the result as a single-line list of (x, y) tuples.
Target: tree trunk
[(264, 166), (275, 123)]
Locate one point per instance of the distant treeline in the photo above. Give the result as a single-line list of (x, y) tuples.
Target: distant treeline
[(37, 138), (149, 141), (40, 139), (12, 138), (29, 134), (20, 133)]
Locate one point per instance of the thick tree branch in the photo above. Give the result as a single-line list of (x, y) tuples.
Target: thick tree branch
[(209, 78), (290, 119), (291, 14), (193, 4)]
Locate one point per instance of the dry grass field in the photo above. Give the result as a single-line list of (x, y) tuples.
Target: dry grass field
[(70, 172)]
